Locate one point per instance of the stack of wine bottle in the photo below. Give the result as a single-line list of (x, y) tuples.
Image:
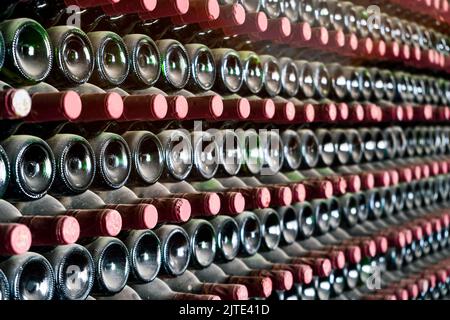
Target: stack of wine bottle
[(224, 149)]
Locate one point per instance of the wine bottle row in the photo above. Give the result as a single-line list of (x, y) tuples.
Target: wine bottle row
[(328, 25), (68, 57), (414, 233), (68, 164)]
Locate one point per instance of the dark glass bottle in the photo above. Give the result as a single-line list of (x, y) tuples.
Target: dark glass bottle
[(113, 160), (203, 242), (74, 271), (226, 231), (111, 59), (32, 167), (144, 248), (175, 63), (75, 164), (147, 157), (30, 277), (145, 68), (175, 249), (73, 56), (29, 56), (229, 70), (177, 153), (203, 72), (112, 266), (252, 73)]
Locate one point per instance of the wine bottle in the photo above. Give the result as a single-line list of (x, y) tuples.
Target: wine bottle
[(322, 266), (175, 249), (206, 105), (147, 157), (229, 70), (250, 233), (113, 161), (134, 217), (44, 229), (280, 195), (112, 266), (252, 73), (272, 147), (302, 274), (199, 11), (282, 280), (99, 108), (250, 145), (205, 155), (237, 35), (159, 290), (290, 83), (138, 110), (169, 209), (74, 271), (203, 67), (145, 69), (29, 57), (207, 31), (258, 197), (226, 232), (202, 203), (73, 55), (111, 58), (289, 224), (257, 286), (30, 277), (75, 165), (230, 155), (91, 223), (32, 167), (178, 153), (129, 7), (203, 242), (144, 250), (174, 63), (15, 105), (271, 73), (52, 110)]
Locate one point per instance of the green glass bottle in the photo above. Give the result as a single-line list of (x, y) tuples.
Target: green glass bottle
[(73, 55), (28, 57), (145, 69), (111, 59)]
